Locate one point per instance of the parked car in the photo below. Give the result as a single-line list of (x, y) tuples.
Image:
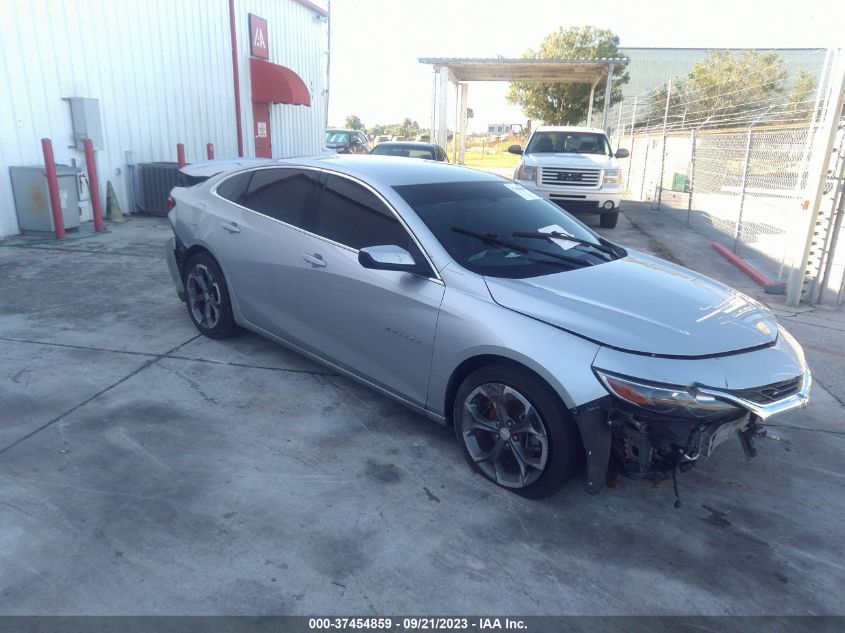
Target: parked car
[(574, 167), (411, 149), (483, 306), (347, 142), (380, 138)]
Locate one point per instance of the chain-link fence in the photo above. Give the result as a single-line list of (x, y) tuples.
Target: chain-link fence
[(738, 172)]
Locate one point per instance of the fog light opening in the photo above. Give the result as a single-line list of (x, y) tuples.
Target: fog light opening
[(608, 205)]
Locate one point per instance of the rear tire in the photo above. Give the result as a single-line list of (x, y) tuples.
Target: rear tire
[(207, 297), (609, 220), (515, 432)]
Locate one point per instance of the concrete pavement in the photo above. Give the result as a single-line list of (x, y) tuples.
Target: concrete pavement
[(145, 470)]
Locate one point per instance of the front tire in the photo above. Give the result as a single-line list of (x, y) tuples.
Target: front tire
[(609, 220), (515, 432), (207, 297)]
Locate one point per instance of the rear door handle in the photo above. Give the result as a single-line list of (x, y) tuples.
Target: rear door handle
[(232, 227), (315, 260)]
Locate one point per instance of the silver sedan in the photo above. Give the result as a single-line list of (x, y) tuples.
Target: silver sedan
[(484, 307)]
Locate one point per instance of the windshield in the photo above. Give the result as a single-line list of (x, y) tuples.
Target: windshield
[(337, 137), (568, 143), (408, 151), (476, 222)]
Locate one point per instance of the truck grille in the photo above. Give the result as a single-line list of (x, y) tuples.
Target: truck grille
[(570, 177), (770, 393)]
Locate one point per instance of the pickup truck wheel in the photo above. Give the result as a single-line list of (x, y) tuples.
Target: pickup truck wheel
[(609, 220), (514, 431)]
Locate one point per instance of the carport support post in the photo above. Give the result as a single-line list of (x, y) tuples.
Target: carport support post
[(442, 98), (463, 123), (590, 109), (691, 178), (607, 89)]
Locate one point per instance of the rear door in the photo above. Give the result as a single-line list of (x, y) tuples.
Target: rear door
[(261, 245), (378, 324)]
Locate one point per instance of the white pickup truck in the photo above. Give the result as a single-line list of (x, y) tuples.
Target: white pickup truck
[(573, 167)]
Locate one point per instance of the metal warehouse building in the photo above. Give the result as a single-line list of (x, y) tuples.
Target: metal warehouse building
[(139, 77)]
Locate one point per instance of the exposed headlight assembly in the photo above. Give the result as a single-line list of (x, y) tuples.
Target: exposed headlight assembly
[(612, 177), (669, 400), (526, 172)]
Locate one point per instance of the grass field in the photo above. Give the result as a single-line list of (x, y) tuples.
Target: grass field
[(493, 157)]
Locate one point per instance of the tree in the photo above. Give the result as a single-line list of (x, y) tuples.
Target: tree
[(470, 113), (353, 122), (725, 90), (799, 101), (558, 104)]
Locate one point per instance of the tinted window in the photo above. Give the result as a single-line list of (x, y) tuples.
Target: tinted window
[(498, 209), (407, 151), (282, 194), (351, 215), (234, 188), (568, 143)]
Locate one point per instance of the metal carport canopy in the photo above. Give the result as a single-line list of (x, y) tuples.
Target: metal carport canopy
[(459, 70)]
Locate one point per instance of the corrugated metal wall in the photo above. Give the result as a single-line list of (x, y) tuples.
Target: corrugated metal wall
[(162, 71)]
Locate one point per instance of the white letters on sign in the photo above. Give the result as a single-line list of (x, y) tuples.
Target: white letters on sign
[(259, 39)]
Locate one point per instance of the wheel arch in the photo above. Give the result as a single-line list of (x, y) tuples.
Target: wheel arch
[(469, 365)]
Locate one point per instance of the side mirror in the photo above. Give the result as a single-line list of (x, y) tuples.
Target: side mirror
[(622, 153), (515, 149), (388, 257)]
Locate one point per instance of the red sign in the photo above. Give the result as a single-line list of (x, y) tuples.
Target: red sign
[(258, 46)]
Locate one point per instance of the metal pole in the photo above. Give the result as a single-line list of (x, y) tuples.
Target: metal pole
[(691, 179), (53, 188), (233, 36), (619, 127), (607, 89), (631, 157), (590, 109), (663, 148), (433, 104), (209, 150), (818, 169), (457, 122), (462, 154), (645, 165), (93, 186), (180, 155), (742, 188)]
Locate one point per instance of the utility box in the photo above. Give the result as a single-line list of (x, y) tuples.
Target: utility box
[(32, 198), (85, 118)]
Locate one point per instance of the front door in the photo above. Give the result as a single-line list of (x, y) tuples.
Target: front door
[(379, 324), (261, 129)]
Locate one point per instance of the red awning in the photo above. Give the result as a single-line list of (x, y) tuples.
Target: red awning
[(277, 84)]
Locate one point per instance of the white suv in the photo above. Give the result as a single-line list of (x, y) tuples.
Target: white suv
[(573, 167)]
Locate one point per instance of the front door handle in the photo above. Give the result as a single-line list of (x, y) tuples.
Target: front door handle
[(232, 227), (315, 260)]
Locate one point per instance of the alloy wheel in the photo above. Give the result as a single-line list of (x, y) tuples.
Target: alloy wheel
[(203, 296), (504, 435)]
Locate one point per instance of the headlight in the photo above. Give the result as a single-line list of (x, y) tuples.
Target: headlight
[(526, 172), (612, 177), (665, 399)]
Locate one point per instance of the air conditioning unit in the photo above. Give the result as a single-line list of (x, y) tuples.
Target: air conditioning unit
[(153, 184)]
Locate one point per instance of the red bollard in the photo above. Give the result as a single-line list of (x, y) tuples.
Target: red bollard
[(93, 186), (53, 188), (209, 150), (180, 155)]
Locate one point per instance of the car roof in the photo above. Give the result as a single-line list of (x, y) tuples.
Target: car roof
[(338, 129), (413, 144), (394, 171), (568, 128)]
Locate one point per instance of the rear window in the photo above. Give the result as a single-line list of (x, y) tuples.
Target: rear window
[(234, 188), (404, 151)]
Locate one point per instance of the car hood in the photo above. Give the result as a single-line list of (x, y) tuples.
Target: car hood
[(584, 161), (642, 304)]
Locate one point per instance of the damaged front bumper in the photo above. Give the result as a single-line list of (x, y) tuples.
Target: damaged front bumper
[(654, 442)]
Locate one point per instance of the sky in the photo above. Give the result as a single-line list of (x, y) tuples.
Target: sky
[(375, 44)]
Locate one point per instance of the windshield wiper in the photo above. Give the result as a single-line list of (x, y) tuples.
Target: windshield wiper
[(540, 235), (495, 240)]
